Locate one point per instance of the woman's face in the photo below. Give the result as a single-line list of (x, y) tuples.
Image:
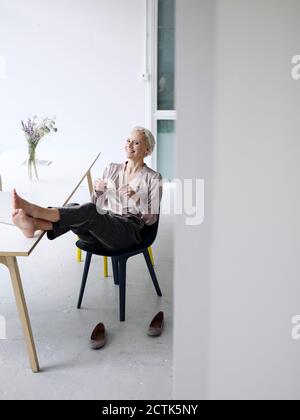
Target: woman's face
[(136, 147)]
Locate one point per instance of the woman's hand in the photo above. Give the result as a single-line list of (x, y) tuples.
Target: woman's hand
[(99, 185), (127, 191)]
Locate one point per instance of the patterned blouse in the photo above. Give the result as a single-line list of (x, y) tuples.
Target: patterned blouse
[(143, 206)]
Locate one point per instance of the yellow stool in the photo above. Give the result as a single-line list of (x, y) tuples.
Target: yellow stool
[(151, 255), (105, 267), (78, 255)]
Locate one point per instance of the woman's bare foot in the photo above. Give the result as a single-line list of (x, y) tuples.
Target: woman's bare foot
[(24, 222), (20, 203)]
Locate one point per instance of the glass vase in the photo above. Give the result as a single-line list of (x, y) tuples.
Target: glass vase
[(32, 162)]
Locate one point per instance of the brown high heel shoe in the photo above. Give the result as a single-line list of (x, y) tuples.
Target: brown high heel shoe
[(156, 325)]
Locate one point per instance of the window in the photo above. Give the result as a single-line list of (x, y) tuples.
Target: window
[(161, 43), (165, 55), (165, 148)]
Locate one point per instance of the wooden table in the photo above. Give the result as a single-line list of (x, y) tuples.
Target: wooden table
[(57, 184)]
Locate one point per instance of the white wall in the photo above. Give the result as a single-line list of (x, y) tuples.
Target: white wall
[(255, 244), (79, 60), (253, 231)]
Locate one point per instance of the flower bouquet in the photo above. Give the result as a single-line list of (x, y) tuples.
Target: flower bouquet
[(34, 131)]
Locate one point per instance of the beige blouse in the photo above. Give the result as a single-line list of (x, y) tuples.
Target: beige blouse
[(143, 206)]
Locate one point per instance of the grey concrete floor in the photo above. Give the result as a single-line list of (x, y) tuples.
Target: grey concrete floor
[(132, 365)]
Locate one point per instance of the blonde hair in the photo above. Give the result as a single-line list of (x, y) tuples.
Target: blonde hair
[(148, 137)]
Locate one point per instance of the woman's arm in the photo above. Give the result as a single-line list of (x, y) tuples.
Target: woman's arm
[(100, 187), (146, 200)]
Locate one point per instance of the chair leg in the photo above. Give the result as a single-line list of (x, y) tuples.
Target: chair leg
[(115, 266), (84, 277), (105, 267), (122, 286), (152, 272)]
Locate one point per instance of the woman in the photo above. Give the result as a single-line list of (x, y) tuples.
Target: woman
[(127, 197)]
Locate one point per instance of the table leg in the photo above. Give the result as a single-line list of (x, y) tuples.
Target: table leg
[(12, 265)]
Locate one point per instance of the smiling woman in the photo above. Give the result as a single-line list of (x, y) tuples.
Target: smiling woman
[(132, 188)]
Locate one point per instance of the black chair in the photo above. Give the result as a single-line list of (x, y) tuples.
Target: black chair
[(119, 260)]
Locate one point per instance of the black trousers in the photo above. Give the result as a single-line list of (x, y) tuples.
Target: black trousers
[(113, 231)]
